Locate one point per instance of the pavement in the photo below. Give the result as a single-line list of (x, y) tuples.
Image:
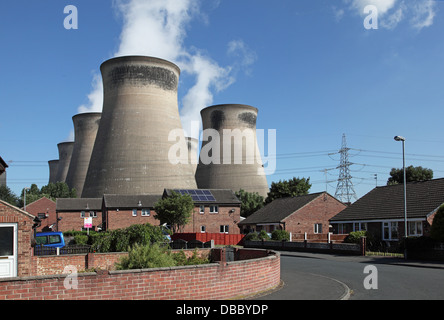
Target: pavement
[(297, 285)]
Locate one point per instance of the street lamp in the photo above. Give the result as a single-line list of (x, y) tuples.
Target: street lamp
[(24, 198), (399, 138)]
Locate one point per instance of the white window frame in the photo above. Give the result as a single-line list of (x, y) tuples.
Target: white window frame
[(317, 228), (203, 229), (415, 224), (146, 212), (390, 226), (201, 209), (214, 209), (134, 213), (93, 214), (224, 228), (360, 226), (82, 214)]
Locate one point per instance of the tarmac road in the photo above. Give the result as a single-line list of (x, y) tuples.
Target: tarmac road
[(310, 276)]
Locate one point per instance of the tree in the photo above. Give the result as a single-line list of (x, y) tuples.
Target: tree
[(250, 202), (174, 210), (437, 229), (412, 174), (288, 188), (10, 197)]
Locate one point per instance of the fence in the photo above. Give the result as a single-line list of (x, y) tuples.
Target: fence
[(219, 238), (305, 246), (319, 237), (71, 249)]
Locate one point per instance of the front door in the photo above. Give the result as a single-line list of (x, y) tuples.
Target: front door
[(8, 250)]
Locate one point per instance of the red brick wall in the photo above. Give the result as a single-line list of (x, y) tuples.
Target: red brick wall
[(213, 221), (203, 282), (320, 210), (46, 206), (73, 220), (10, 214), (124, 218)]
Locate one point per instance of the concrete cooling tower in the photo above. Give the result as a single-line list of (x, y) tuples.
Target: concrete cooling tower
[(140, 109), (65, 153), (236, 165), (193, 146), (85, 131), (53, 170)]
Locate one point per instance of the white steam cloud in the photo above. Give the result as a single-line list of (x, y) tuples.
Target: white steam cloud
[(158, 28)]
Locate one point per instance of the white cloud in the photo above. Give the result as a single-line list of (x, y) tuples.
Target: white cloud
[(158, 28), (423, 13), (420, 13)]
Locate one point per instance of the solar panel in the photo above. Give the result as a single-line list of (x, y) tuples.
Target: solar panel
[(198, 195)]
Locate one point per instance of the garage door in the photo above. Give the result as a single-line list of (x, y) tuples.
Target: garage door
[(8, 250)]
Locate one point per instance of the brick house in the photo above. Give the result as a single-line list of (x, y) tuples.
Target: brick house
[(215, 211), (16, 233), (45, 210), (122, 211), (381, 211), (72, 211), (302, 214)]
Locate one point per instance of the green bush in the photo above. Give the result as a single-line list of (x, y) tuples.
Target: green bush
[(254, 236), (146, 256), (81, 239), (280, 235), (182, 260), (120, 240), (355, 237)]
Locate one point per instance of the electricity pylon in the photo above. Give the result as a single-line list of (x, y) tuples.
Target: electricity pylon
[(345, 190)]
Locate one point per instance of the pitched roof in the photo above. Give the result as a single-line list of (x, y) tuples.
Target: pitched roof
[(279, 209), (387, 202), (78, 204), (222, 196), (120, 201), (17, 209)]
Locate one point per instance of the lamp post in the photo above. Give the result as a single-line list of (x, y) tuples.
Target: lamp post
[(24, 198), (399, 138)]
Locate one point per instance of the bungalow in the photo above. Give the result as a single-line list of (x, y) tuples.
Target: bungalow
[(303, 214), (215, 211), (71, 213), (381, 211)]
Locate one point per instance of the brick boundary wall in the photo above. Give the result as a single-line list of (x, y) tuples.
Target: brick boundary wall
[(215, 281)]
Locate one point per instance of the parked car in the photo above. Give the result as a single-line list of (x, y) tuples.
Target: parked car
[(50, 239)]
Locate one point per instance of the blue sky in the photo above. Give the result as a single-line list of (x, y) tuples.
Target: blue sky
[(310, 66)]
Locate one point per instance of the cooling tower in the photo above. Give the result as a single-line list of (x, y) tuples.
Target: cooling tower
[(193, 146), (53, 170), (65, 153), (234, 161), (130, 154), (85, 131)]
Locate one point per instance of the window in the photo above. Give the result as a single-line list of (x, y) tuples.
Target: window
[(224, 229), (93, 214), (145, 212), (202, 229), (202, 209), (360, 226), (82, 214), (415, 228), (214, 209), (134, 212), (341, 228), (41, 215), (54, 239), (318, 228), (390, 230)]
